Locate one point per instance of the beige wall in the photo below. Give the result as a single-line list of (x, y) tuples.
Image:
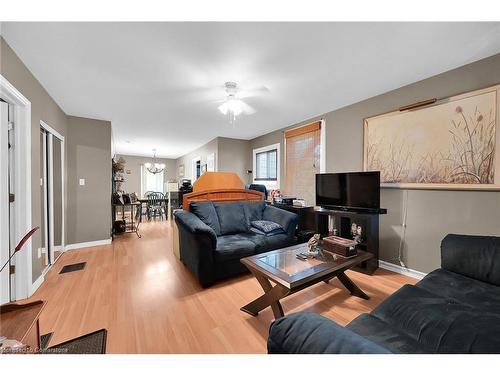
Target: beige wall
[(235, 156), (133, 164), (431, 214), (88, 156), (44, 108), (201, 152)]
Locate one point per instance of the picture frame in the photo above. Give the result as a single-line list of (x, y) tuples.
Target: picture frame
[(181, 170), (451, 144)]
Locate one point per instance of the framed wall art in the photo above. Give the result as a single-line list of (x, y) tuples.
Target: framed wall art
[(450, 144)]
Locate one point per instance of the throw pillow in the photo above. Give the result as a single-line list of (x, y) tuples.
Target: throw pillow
[(269, 228)]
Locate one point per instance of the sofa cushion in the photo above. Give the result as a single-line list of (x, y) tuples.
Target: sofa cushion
[(206, 212), (464, 289), (441, 324), (253, 210), (384, 334), (234, 246), (267, 243), (269, 228), (232, 218)]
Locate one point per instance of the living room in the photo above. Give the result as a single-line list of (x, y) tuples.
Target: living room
[(250, 188)]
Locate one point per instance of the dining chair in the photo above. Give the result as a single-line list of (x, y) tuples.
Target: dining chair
[(155, 205)]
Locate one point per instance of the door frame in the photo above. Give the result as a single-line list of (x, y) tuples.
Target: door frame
[(50, 185), (193, 168), (24, 285)]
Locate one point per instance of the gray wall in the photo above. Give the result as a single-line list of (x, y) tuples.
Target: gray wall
[(235, 155), (43, 107), (202, 152), (133, 164), (88, 146), (87, 151), (231, 155), (431, 214)]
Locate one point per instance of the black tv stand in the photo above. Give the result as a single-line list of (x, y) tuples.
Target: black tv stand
[(359, 210), (343, 219)]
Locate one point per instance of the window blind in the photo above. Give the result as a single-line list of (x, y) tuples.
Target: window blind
[(302, 161)]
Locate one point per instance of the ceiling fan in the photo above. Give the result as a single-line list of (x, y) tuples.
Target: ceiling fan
[(233, 105)]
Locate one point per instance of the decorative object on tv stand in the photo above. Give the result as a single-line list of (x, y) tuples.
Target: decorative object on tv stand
[(448, 143), (275, 195), (154, 167)]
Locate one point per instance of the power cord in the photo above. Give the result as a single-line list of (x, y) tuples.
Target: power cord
[(403, 231)]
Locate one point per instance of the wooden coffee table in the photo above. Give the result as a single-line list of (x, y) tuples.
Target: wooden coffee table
[(291, 275)]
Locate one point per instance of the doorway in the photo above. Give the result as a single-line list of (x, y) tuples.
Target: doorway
[(6, 278), (51, 196)]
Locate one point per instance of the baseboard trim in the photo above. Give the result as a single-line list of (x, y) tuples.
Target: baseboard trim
[(81, 245), (401, 270), (34, 286)]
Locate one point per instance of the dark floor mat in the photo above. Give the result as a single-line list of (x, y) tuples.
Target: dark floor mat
[(91, 343), (73, 267), (45, 339)]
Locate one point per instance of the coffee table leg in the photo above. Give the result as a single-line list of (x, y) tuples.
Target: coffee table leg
[(351, 286), (271, 298)]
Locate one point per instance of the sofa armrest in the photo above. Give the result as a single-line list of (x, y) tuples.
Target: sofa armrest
[(477, 257), (197, 243), (194, 225), (288, 220), (309, 333)]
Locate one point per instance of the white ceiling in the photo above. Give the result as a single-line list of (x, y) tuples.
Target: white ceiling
[(157, 82)]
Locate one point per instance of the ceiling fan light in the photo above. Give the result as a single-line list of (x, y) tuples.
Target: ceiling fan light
[(223, 108), (233, 106)]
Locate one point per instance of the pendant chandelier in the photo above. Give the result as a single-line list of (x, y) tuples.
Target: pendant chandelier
[(154, 167)]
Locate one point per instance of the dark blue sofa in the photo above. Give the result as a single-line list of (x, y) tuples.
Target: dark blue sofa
[(213, 237), (455, 309)]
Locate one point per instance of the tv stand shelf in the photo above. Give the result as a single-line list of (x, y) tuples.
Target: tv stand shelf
[(328, 220)]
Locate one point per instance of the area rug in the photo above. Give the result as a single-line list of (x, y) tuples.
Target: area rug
[(91, 343)]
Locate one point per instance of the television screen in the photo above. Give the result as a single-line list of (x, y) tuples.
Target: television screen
[(355, 189)]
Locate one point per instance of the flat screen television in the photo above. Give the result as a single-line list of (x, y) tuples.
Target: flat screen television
[(353, 191)]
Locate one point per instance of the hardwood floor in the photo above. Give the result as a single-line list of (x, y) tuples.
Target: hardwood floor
[(150, 303)]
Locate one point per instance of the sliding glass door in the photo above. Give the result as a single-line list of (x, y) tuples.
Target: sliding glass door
[(52, 195)]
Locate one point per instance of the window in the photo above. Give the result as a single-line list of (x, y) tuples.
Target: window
[(266, 166), (151, 181), (303, 149)]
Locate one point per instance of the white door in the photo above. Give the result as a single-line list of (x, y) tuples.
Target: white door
[(4, 202)]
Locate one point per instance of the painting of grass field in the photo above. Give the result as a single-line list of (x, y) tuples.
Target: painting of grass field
[(452, 142)]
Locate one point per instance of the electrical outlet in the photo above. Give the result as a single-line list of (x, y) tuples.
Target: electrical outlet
[(82, 182)]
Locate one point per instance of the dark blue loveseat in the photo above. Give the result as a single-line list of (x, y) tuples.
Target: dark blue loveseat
[(213, 237), (454, 309)]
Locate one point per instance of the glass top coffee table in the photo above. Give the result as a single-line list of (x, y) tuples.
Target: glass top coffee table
[(291, 275)]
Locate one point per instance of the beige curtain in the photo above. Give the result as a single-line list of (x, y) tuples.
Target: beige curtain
[(302, 158)]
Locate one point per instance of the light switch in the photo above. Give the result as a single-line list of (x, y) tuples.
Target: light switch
[(82, 182)]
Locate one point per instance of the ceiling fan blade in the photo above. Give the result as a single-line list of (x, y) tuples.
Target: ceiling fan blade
[(252, 92), (247, 109)]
